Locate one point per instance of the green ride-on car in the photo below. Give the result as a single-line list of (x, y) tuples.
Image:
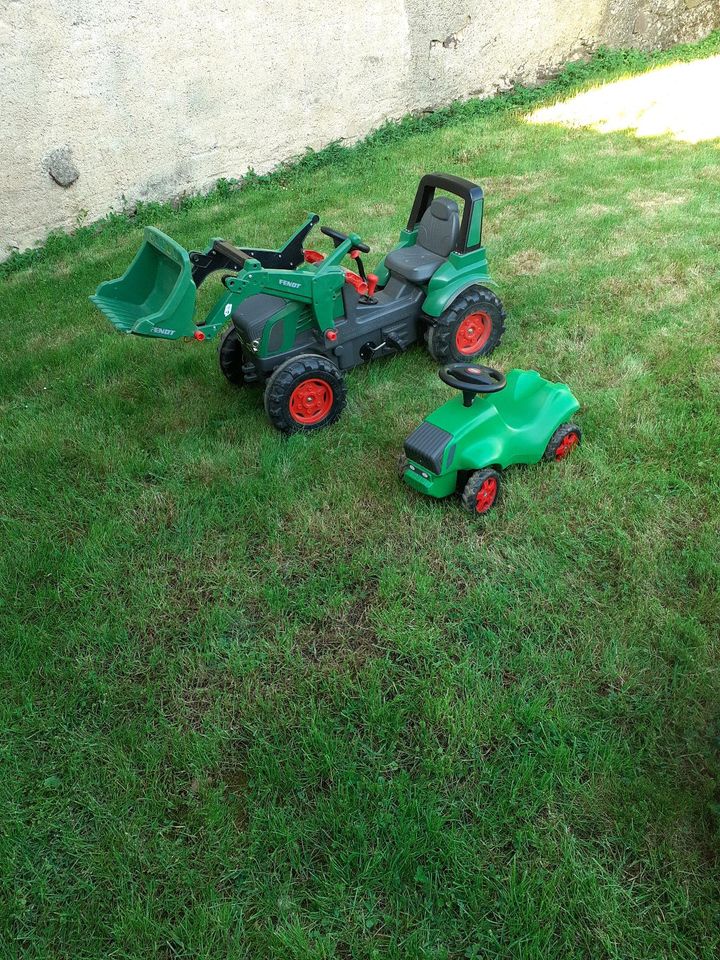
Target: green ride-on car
[(296, 320), (497, 422)]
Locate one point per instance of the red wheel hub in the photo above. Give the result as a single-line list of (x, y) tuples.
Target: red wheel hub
[(485, 497), (473, 333), (569, 441), (311, 401)]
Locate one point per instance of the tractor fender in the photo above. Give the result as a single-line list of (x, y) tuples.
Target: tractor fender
[(438, 300)]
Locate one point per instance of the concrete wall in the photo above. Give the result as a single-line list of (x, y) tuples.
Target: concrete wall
[(104, 104)]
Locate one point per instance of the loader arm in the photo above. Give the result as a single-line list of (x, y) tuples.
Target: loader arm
[(320, 287), (221, 255)]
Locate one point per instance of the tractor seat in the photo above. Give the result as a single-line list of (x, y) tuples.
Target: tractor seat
[(438, 234)]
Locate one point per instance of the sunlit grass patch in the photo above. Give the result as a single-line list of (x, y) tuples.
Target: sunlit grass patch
[(676, 100)]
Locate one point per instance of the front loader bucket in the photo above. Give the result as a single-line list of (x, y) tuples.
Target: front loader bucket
[(155, 297)]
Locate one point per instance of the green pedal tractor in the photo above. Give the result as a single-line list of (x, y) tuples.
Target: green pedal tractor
[(296, 320)]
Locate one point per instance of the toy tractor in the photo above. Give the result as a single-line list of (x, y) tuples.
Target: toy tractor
[(298, 320), (463, 445)]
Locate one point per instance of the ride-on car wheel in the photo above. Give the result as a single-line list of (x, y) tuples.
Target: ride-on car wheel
[(305, 393), (566, 437), (481, 491), (472, 326), (230, 357)]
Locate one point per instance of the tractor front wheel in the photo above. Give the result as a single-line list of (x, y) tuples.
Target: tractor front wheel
[(472, 326), (230, 357), (481, 491), (305, 393)]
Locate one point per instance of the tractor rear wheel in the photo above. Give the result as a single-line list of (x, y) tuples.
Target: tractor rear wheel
[(470, 327), (481, 491), (305, 393), (230, 357)]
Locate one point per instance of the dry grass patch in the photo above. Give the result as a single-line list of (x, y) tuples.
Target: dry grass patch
[(514, 185), (527, 263), (651, 201)]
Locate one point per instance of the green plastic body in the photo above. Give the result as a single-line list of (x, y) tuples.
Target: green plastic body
[(500, 429)]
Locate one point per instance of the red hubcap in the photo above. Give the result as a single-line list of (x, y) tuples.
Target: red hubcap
[(473, 333), (566, 444), (311, 401), (485, 496)]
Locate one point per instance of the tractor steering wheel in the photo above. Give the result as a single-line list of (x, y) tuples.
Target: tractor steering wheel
[(472, 379), (338, 238)]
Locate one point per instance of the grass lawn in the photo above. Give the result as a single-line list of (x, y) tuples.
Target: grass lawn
[(259, 700)]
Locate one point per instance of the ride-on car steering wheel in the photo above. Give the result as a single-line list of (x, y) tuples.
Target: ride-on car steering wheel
[(472, 379)]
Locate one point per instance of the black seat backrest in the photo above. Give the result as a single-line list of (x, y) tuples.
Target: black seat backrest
[(439, 228)]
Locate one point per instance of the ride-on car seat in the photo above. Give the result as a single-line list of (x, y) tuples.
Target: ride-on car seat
[(438, 234)]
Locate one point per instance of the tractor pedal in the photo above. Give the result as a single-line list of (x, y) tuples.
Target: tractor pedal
[(393, 344), (369, 349)]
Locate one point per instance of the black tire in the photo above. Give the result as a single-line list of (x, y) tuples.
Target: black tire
[(231, 357), (481, 491), (561, 443), (442, 336), (291, 412)]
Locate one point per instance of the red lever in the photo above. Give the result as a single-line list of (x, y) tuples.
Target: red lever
[(372, 282), (312, 256), (355, 281)]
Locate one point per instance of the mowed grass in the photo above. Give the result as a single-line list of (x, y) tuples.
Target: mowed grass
[(259, 700)]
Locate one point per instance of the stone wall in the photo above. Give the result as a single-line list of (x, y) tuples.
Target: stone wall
[(107, 104)]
